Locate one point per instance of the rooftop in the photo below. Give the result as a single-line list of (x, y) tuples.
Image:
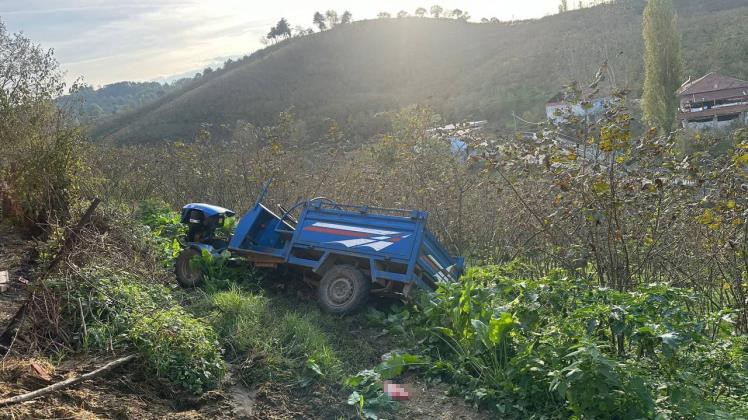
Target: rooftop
[(711, 82)]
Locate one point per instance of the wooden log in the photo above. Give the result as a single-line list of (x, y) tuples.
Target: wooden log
[(66, 383)]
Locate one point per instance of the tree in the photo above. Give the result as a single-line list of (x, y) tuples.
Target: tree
[(283, 28), (401, 14), (436, 10), (384, 15), (41, 160), (459, 14), (484, 20), (280, 30), (299, 31), (332, 18), (420, 12), (319, 20), (563, 7), (346, 18), (662, 64), (273, 34), (27, 72)]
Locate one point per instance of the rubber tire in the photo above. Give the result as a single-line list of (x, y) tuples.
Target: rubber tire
[(361, 287), (184, 273)]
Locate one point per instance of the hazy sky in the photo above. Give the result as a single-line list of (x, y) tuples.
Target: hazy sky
[(111, 40)]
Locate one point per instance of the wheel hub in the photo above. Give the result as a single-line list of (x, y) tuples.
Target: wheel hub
[(192, 274), (341, 290)]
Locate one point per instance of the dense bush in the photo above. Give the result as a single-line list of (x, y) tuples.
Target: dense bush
[(110, 309), (180, 348), (566, 347)]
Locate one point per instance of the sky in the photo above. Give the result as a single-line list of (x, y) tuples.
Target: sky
[(105, 41)]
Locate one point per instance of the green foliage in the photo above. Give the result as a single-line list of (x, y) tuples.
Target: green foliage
[(594, 385), (165, 228), (662, 64), (51, 247), (121, 311), (180, 348), (42, 167), (219, 273), (89, 104), (565, 347)]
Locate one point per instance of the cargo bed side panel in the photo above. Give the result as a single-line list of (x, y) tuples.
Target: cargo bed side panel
[(366, 234), (436, 262)]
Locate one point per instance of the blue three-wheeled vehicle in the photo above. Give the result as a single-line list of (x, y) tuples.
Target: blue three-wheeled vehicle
[(348, 251)]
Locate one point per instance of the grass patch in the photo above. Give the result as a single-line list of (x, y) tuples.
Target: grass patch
[(288, 340), (280, 344)]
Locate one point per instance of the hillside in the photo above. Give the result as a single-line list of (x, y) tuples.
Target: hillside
[(463, 70), (89, 104)]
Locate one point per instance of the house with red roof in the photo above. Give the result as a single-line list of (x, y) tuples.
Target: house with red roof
[(713, 101)]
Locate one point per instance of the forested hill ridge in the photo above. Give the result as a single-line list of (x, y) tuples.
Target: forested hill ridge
[(464, 70), (89, 104)]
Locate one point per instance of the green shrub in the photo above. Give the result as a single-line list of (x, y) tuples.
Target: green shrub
[(180, 348), (566, 347), (220, 274), (122, 311), (165, 228), (115, 303)]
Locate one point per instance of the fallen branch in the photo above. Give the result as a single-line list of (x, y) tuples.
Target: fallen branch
[(66, 383), (70, 238)]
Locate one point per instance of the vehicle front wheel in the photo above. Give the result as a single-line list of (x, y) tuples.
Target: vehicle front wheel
[(188, 276), (343, 289)]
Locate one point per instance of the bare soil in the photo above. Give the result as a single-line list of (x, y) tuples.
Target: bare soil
[(434, 402), (120, 394)]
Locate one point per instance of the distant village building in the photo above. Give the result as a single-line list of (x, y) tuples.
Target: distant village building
[(714, 102), (558, 108), (457, 136)]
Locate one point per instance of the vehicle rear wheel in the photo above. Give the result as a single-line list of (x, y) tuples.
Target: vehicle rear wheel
[(187, 275), (343, 289)]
